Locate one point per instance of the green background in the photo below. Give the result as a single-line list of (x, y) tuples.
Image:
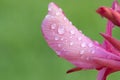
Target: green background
[(24, 54)]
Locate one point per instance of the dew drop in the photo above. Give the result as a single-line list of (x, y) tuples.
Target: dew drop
[(59, 45), (71, 43), (70, 36), (70, 22), (65, 18), (80, 38), (65, 40), (90, 45), (81, 52), (60, 9), (72, 32), (56, 38), (57, 13), (82, 57), (58, 52), (109, 57), (49, 9), (47, 16), (83, 44), (97, 43), (62, 39), (61, 30), (53, 26), (87, 58), (80, 31), (92, 51)]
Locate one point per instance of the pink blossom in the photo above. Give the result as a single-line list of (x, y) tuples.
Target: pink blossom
[(71, 44), (111, 14)]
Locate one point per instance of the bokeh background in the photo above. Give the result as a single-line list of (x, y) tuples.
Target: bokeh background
[(24, 54)]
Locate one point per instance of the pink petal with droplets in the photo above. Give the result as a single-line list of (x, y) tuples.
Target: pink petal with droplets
[(69, 43)]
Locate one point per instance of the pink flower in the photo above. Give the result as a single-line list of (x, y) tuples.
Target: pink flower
[(111, 14), (72, 45)]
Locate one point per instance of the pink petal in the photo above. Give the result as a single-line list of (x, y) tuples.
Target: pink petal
[(116, 6), (69, 43), (104, 72), (110, 25), (110, 14), (112, 40), (109, 28), (108, 63)]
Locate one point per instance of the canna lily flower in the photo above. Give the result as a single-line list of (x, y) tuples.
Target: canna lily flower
[(111, 14), (71, 44)]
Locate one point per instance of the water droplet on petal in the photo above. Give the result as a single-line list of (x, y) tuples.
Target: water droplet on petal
[(79, 38), (82, 51), (90, 45), (57, 13), (49, 9), (62, 39), (72, 32), (60, 9), (97, 43), (66, 40), (47, 16), (58, 52), (70, 36), (61, 30), (71, 43), (59, 45), (82, 57), (92, 51), (83, 44), (56, 38), (70, 22), (53, 26), (65, 18), (80, 31), (87, 58)]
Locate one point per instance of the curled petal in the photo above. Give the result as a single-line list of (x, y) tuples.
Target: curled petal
[(69, 43), (110, 14), (104, 12), (110, 25)]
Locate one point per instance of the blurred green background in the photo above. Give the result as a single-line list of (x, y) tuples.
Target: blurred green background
[(24, 54)]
